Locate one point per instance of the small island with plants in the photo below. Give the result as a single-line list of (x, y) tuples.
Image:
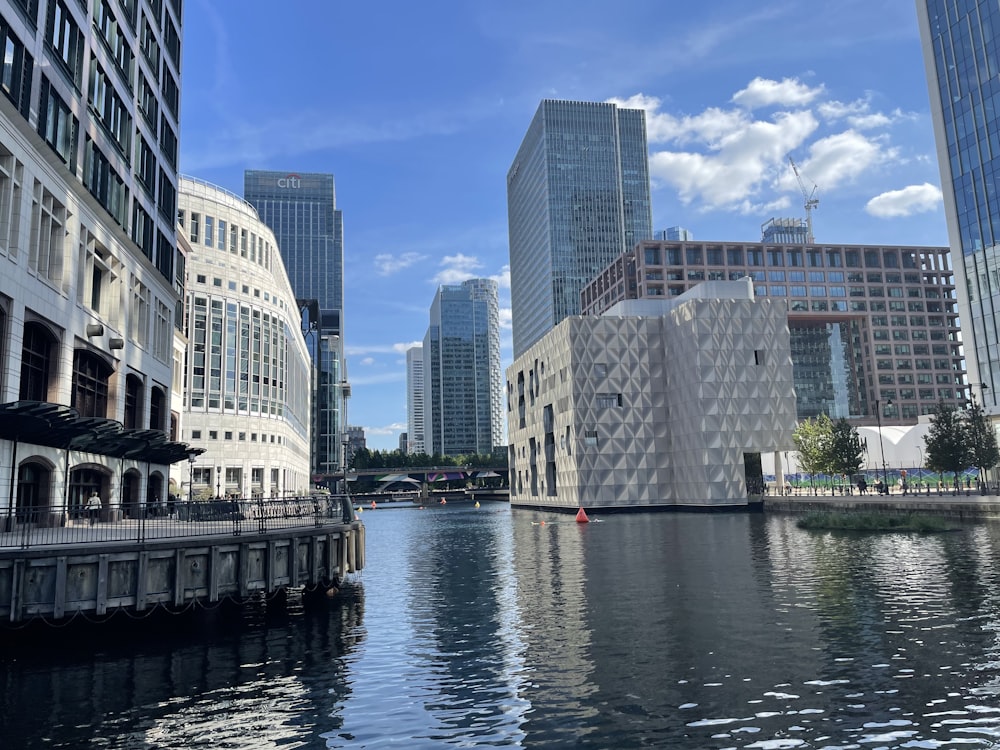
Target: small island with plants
[(871, 521)]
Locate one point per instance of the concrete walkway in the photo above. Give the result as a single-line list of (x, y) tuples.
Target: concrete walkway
[(972, 506)]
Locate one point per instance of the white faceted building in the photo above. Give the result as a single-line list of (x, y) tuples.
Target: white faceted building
[(656, 403)]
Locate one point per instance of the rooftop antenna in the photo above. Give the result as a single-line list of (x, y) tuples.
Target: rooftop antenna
[(811, 201)]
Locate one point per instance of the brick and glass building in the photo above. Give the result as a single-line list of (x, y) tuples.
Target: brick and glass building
[(867, 323)]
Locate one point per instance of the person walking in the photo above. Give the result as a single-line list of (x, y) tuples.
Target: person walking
[(94, 507)]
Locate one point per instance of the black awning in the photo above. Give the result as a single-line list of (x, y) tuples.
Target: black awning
[(40, 423), (59, 426)]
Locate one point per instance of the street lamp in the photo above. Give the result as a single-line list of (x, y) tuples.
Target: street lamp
[(191, 458), (218, 482), (878, 416)]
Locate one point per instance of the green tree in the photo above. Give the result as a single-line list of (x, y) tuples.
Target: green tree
[(947, 441), (846, 449), (983, 451), (812, 440)]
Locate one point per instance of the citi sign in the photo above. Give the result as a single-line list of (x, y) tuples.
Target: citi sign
[(290, 181)]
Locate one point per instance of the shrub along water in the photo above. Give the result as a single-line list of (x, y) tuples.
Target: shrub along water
[(872, 522)]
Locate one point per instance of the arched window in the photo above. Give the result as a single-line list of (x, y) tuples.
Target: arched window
[(32, 491), (133, 402), (36, 362), (157, 410), (90, 384)]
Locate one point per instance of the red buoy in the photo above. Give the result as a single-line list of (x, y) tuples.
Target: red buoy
[(581, 516)]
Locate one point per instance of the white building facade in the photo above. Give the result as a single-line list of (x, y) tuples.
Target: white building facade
[(415, 400), (91, 278), (654, 404), (248, 373)]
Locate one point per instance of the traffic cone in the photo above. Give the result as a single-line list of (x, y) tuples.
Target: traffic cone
[(581, 516)]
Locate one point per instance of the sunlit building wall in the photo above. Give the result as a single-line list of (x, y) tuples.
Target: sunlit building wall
[(248, 370), (415, 400), (89, 112)]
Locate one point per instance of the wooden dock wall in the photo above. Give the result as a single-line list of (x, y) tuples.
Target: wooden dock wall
[(58, 582)]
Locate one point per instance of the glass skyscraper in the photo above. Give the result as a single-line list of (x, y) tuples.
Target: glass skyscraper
[(301, 210), (577, 198), (961, 44), (462, 389)]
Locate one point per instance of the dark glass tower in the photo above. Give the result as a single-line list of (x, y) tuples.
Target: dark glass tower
[(961, 44), (577, 198), (463, 411), (301, 210)]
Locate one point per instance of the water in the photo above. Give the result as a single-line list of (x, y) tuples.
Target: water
[(484, 628)]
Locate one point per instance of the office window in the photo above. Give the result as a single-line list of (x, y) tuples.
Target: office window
[(66, 40), (17, 66), (57, 125)]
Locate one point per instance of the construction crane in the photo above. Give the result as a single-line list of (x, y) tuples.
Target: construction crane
[(811, 201)]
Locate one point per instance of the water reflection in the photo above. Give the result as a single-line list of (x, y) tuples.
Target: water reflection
[(247, 678), (486, 628)]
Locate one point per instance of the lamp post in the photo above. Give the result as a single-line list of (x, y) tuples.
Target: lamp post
[(191, 457), (878, 417), (218, 482)]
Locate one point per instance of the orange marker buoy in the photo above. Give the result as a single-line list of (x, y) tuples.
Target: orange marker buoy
[(581, 516)]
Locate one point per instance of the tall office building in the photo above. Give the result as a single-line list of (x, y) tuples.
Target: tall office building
[(415, 399), (301, 210), (92, 284), (960, 42), (577, 198), (462, 381)]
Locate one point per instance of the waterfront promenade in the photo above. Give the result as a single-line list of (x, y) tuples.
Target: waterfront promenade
[(966, 504), (202, 553)]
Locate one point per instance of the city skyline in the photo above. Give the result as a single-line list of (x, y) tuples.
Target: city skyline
[(420, 136)]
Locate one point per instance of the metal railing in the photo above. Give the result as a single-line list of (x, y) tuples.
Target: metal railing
[(47, 527)]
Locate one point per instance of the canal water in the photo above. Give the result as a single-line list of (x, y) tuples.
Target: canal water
[(486, 628)]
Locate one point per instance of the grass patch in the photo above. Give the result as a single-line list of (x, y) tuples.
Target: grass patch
[(872, 522)]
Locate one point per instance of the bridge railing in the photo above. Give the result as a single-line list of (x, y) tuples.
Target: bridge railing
[(46, 527)]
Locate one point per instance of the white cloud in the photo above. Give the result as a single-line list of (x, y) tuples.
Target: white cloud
[(503, 278), (505, 318), (730, 159), (389, 429), (457, 268), (405, 347), (764, 92), (367, 361), (738, 163), (859, 115), (386, 264), (913, 199), (841, 158)]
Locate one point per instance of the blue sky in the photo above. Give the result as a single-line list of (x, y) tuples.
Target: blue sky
[(419, 108)]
